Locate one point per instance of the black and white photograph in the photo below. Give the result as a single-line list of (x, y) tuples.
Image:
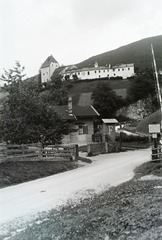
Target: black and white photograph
[(80, 120)]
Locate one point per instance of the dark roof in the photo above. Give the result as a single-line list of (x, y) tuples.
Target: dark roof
[(63, 113), (48, 61), (78, 112), (58, 70), (87, 111)]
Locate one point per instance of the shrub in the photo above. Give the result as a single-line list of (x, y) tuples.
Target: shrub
[(132, 138)]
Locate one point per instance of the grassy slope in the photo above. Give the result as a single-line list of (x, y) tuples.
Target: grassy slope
[(88, 86)]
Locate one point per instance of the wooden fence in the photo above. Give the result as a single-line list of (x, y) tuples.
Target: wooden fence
[(35, 152), (157, 153)]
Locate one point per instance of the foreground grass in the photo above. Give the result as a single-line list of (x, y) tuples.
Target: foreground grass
[(18, 172), (129, 211)]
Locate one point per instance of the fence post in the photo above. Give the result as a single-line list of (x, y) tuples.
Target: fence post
[(23, 149), (89, 149), (77, 150), (40, 156), (5, 152), (106, 147)]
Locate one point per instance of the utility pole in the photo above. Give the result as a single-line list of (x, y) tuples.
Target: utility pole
[(158, 87)]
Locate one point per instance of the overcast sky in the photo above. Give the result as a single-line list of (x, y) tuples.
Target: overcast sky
[(71, 30)]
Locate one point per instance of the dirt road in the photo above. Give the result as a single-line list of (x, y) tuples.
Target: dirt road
[(27, 199)]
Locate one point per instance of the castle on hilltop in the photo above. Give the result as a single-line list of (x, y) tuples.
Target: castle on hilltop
[(48, 68), (73, 73)]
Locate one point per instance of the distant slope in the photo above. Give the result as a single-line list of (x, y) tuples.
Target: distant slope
[(138, 52)]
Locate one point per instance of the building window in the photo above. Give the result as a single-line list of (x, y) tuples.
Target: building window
[(128, 68), (43, 74), (114, 70), (88, 73), (119, 69), (114, 74), (83, 129), (78, 73), (103, 70), (95, 71), (99, 71), (99, 76), (122, 69)]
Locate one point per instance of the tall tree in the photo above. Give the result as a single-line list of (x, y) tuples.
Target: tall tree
[(105, 100), (26, 118)]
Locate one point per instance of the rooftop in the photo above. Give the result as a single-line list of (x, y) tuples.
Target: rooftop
[(78, 111), (48, 61)]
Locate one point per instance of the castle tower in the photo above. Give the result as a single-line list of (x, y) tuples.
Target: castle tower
[(48, 68)]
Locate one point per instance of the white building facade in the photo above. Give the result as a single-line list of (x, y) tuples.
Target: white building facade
[(123, 70)]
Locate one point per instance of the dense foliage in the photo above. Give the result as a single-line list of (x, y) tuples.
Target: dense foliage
[(143, 86), (106, 101), (55, 92), (26, 118)]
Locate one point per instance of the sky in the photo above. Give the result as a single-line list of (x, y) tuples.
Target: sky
[(71, 30)]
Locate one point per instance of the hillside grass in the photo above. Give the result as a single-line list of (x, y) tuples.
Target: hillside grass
[(85, 86)]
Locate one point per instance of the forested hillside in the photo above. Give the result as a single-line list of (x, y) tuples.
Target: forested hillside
[(138, 53)]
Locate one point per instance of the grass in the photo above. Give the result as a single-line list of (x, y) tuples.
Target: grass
[(124, 212), (18, 172), (89, 85), (15, 172)]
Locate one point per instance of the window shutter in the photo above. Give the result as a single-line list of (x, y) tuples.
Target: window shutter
[(85, 129)]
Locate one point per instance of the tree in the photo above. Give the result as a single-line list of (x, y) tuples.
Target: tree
[(142, 87), (55, 92), (26, 118), (105, 100), (13, 75)]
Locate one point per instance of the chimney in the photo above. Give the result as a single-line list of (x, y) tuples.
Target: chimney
[(70, 105)]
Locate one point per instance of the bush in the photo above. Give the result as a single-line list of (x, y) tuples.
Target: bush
[(116, 78), (132, 138)]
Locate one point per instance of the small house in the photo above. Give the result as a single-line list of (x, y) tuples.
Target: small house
[(108, 127), (82, 120)]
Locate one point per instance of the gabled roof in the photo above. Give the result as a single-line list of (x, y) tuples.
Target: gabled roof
[(78, 112), (48, 61)]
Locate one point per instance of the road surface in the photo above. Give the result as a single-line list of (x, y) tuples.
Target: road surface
[(22, 203)]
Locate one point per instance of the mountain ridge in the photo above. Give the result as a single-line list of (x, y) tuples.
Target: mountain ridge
[(138, 52)]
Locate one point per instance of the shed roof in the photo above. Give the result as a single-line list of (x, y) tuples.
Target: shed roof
[(110, 120)]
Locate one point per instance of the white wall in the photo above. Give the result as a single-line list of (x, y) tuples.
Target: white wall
[(125, 70), (47, 72)]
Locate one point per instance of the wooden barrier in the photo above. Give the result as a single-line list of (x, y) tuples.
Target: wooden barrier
[(157, 154), (35, 152)]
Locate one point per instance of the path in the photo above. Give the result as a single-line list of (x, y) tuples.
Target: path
[(27, 199)]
